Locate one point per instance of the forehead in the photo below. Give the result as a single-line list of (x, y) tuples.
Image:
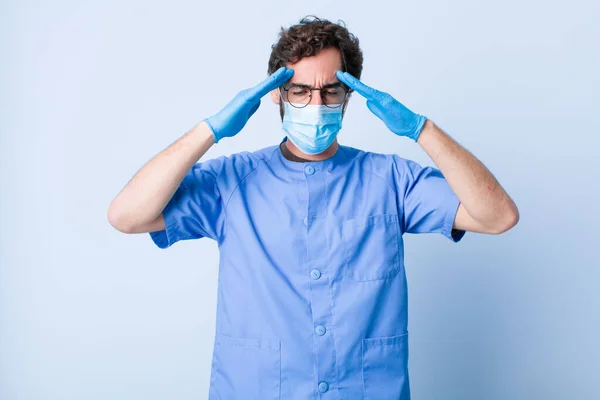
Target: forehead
[(318, 69)]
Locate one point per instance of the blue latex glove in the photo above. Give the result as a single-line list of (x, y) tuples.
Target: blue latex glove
[(233, 117), (396, 116)]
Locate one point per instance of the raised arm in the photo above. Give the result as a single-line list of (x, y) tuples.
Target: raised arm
[(138, 208)]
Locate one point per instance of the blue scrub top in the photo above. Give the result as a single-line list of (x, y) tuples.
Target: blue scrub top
[(312, 295)]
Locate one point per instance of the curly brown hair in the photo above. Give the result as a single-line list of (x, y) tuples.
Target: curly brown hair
[(312, 35)]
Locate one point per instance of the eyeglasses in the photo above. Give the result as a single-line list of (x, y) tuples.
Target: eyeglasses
[(332, 95)]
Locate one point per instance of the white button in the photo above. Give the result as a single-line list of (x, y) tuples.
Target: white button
[(315, 274), (323, 387)]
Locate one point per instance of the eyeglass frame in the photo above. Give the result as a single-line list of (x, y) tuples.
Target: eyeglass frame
[(341, 85), (347, 90)]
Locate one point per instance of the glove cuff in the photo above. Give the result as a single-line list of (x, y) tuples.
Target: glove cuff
[(420, 124), (207, 120)]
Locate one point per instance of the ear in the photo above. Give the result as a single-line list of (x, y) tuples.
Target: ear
[(275, 95)]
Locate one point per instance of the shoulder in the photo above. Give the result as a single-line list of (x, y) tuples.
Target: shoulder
[(227, 171), (227, 167), (385, 165)]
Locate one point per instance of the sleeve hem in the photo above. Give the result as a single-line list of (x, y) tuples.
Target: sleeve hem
[(449, 223), (167, 236)]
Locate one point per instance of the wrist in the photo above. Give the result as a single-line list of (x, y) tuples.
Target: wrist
[(206, 132), (211, 128), (422, 124)]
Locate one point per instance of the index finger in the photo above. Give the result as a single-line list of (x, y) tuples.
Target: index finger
[(273, 81), (367, 91)]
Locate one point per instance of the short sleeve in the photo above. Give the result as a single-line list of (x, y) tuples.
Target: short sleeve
[(196, 209), (427, 202)]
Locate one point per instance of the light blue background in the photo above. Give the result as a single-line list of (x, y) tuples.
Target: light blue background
[(90, 92)]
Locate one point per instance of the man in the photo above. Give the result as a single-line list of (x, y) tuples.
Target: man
[(312, 296)]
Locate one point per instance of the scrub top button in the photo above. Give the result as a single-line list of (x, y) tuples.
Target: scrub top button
[(320, 330), (323, 387), (309, 170), (315, 274), (306, 221)]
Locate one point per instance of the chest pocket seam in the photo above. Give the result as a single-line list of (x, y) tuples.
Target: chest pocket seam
[(371, 247)]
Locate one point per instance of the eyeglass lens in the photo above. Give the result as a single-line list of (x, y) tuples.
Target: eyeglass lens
[(331, 96)]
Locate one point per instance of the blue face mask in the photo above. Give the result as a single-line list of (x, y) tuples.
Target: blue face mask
[(312, 128)]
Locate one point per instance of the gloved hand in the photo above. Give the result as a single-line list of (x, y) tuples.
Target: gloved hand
[(233, 117), (396, 116)]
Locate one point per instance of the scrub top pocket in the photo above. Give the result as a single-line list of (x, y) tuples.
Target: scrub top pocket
[(372, 247), (246, 369), (385, 368)]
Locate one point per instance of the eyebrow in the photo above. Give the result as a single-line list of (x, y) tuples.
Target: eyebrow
[(337, 83)]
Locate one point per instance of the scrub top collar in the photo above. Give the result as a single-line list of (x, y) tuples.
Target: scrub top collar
[(337, 160)]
